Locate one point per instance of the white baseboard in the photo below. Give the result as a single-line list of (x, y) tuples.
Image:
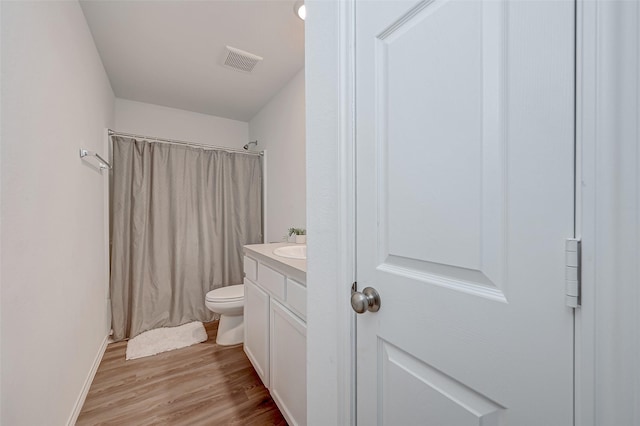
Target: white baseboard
[(87, 383)]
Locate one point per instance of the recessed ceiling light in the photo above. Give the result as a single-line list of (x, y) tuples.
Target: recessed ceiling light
[(300, 10)]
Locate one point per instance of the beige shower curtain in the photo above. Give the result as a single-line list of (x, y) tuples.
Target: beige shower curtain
[(180, 216)]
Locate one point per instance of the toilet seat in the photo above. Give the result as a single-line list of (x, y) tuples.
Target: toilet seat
[(229, 294)]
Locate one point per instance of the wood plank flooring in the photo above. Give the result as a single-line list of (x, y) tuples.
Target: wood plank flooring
[(204, 384)]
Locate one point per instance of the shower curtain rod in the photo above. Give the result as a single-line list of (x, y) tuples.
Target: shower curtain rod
[(178, 142)]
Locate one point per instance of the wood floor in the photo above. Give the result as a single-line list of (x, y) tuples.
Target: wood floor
[(204, 384)]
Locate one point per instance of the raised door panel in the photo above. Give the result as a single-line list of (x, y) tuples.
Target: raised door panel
[(441, 174), (288, 364), (414, 393), (256, 329)]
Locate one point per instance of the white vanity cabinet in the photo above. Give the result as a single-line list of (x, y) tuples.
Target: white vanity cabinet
[(275, 329)]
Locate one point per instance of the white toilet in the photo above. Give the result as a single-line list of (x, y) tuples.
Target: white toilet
[(229, 303)]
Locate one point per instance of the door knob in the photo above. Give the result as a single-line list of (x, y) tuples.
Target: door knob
[(368, 300)]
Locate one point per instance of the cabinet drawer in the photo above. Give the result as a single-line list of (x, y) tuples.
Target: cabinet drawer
[(271, 281), (297, 298), (250, 268)]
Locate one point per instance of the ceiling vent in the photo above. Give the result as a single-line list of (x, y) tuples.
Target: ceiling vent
[(240, 60)]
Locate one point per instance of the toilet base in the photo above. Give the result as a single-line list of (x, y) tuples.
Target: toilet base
[(230, 330)]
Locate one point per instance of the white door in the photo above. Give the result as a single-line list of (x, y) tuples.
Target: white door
[(465, 154)]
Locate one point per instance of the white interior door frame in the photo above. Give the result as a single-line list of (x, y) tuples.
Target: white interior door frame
[(329, 95), (608, 211)]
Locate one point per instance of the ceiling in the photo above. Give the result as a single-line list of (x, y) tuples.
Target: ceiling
[(170, 52)]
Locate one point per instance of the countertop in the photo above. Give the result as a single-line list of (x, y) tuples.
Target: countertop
[(264, 252)]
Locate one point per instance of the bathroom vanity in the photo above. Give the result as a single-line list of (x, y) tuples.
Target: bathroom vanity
[(275, 302)]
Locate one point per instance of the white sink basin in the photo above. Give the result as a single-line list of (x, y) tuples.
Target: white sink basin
[(292, 252)]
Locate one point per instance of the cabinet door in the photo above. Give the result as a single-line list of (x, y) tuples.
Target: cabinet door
[(256, 329), (288, 364)]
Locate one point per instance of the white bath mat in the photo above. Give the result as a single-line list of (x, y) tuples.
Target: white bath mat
[(165, 339)]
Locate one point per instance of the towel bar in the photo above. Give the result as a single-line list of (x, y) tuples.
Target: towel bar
[(104, 164)]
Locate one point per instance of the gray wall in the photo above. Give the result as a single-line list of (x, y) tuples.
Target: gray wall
[(56, 98), (171, 123), (279, 128)]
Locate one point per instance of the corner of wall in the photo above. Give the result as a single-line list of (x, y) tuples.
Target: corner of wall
[(279, 128), (77, 408)]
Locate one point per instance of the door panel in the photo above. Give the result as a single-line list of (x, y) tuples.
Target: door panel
[(465, 195), (459, 169), (414, 393)]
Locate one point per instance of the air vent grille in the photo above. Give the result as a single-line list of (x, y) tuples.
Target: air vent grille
[(240, 60)]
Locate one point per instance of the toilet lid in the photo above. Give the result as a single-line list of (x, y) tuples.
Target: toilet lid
[(226, 294)]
